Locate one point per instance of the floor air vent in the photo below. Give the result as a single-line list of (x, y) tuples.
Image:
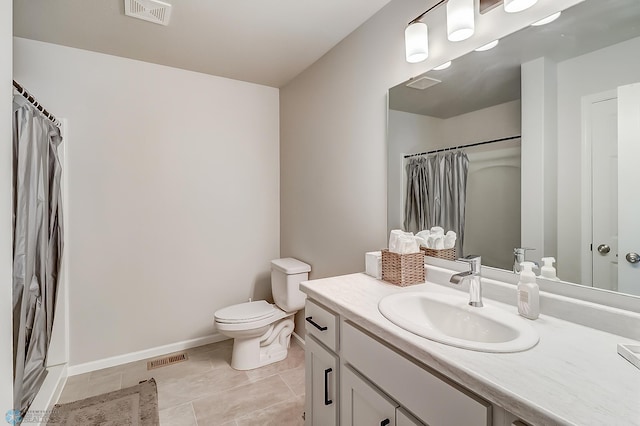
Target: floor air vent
[(154, 11), (167, 360)]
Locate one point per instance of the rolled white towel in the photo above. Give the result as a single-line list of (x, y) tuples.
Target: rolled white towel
[(450, 240), (436, 230), (403, 242), (439, 243)]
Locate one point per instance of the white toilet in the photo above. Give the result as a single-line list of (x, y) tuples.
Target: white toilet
[(261, 331)]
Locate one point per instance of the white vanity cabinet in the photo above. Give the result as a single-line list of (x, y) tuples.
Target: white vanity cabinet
[(322, 366), (362, 404), (352, 379)]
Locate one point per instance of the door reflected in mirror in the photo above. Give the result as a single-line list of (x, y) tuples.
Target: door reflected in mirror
[(566, 187)]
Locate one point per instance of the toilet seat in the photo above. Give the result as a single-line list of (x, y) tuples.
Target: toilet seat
[(246, 312)]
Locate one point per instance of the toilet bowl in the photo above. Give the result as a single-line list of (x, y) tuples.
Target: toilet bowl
[(262, 331)]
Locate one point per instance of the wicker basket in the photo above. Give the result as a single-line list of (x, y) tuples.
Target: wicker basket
[(402, 269), (449, 254)]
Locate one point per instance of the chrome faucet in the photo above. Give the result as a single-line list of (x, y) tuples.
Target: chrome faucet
[(519, 255), (475, 284)]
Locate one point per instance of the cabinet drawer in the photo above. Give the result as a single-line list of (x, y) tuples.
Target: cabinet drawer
[(322, 324), (434, 401)]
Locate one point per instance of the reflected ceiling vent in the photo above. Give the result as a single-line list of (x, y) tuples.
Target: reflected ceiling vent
[(423, 83), (154, 11)]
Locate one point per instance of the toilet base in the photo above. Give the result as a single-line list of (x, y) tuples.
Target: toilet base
[(270, 347)]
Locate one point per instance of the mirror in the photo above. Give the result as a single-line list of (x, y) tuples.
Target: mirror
[(547, 101)]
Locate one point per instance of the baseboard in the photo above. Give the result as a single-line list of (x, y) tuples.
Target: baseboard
[(47, 395), (298, 339), (87, 367)]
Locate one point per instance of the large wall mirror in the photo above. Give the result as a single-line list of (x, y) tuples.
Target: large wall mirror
[(549, 121)]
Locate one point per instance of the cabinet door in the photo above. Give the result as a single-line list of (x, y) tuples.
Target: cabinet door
[(362, 404), (321, 389), (403, 418)]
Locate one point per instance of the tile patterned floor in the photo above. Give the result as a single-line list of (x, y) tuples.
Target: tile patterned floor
[(205, 390)]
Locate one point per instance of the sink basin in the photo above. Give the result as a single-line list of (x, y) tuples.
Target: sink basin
[(450, 320)]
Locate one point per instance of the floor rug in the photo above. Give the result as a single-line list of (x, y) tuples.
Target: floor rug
[(134, 406)]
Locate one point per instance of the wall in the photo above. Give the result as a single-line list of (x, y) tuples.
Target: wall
[(173, 195), (592, 73), (6, 209), (333, 131), (493, 191), (539, 151)]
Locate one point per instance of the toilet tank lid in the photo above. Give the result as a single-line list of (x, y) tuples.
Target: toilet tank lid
[(290, 266)]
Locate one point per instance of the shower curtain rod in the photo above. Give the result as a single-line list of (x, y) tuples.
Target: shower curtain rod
[(21, 90), (462, 146)]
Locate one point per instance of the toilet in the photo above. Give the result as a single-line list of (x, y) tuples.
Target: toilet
[(262, 331)]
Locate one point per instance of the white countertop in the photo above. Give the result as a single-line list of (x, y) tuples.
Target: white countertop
[(573, 376)]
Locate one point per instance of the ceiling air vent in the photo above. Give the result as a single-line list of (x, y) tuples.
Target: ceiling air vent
[(423, 83), (154, 11)]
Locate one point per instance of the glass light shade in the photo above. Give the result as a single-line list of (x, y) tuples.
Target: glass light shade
[(547, 20), (416, 40), (513, 6), (460, 19), (488, 46), (443, 66)]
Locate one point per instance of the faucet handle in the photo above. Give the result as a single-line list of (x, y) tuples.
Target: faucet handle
[(474, 260)]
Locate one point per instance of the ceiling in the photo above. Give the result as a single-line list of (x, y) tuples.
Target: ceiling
[(483, 79), (257, 41)]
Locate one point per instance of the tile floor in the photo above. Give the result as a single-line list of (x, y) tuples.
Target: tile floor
[(205, 390)]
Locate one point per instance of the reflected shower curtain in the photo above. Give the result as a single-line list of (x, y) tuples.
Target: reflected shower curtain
[(436, 193), (37, 245)]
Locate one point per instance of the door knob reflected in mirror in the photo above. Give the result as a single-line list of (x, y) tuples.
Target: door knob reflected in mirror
[(604, 249), (633, 257)]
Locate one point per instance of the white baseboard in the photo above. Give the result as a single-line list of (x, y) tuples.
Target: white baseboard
[(47, 395), (87, 367), (299, 339)]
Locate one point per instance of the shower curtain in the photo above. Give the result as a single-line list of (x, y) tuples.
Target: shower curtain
[(436, 193), (37, 245)]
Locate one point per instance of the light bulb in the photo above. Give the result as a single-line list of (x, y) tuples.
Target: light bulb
[(443, 66), (488, 46), (416, 40), (547, 20), (513, 6), (460, 19)]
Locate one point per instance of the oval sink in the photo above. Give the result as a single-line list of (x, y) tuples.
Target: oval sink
[(450, 320)]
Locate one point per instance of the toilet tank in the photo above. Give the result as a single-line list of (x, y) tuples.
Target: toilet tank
[(286, 276)]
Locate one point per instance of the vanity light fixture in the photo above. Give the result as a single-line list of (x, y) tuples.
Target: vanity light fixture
[(488, 46), (443, 66), (513, 6), (460, 19), (416, 40), (547, 20)]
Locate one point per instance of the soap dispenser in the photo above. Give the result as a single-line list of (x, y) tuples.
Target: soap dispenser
[(548, 271), (528, 293)]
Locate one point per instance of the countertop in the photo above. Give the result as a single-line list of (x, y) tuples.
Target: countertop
[(573, 376)]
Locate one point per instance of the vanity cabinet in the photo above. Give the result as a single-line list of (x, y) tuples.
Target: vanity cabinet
[(362, 404), (353, 379)]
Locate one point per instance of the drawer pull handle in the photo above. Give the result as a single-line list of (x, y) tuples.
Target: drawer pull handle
[(315, 324), (327, 401), (385, 422)]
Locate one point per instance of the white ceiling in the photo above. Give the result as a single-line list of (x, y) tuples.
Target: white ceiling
[(264, 42)]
